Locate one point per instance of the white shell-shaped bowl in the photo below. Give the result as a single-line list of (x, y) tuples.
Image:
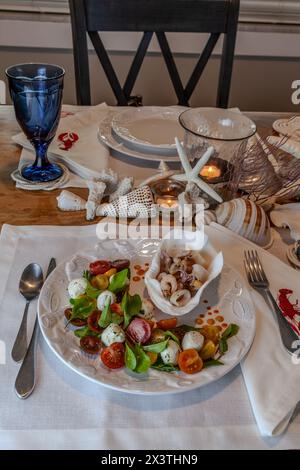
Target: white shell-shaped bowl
[(175, 243)]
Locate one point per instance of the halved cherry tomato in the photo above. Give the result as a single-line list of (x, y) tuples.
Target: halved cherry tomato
[(211, 332), (99, 267), (152, 356), (113, 356), (116, 308), (139, 330), (120, 264), (189, 361), (92, 321), (75, 321), (90, 344), (157, 336), (167, 324)]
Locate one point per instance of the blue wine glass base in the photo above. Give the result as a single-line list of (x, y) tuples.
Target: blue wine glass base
[(49, 172)]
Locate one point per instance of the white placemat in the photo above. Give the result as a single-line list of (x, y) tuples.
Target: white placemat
[(66, 411)]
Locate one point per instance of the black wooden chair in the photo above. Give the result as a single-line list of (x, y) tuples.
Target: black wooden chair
[(153, 17)]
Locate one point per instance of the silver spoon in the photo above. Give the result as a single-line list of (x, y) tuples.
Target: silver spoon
[(30, 285)]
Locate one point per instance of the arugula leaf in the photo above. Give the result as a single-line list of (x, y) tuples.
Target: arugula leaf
[(85, 331), (105, 318), (157, 347), (143, 360), (118, 281), (212, 362), (171, 335), (160, 365), (130, 359), (117, 319), (82, 307), (230, 331), (131, 306)]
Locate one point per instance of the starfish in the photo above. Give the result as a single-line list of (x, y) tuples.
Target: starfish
[(192, 174)]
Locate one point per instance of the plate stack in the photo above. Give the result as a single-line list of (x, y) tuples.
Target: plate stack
[(143, 133)]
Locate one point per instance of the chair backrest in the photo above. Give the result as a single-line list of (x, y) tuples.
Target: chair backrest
[(153, 17), (2, 92)]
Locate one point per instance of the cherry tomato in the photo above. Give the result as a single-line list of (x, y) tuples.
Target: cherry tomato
[(208, 350), (139, 330), (189, 361), (210, 332), (116, 308), (120, 264), (113, 356), (99, 267), (90, 344), (92, 321), (167, 324), (75, 321), (152, 356), (157, 336)]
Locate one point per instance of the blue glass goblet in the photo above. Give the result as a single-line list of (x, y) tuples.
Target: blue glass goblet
[(36, 92)]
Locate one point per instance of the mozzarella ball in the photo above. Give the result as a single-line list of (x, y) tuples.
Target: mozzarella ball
[(170, 354), (77, 287), (112, 334), (192, 340), (102, 299)]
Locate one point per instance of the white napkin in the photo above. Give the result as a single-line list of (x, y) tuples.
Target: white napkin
[(87, 156), (272, 379)]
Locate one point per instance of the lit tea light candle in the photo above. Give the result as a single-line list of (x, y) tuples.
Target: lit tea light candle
[(167, 203), (210, 171), (166, 192)]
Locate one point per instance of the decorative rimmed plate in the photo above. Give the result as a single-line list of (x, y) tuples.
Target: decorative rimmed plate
[(152, 129), (226, 296), (106, 137)]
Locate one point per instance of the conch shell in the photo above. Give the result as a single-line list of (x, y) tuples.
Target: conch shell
[(68, 201), (137, 203), (245, 218)]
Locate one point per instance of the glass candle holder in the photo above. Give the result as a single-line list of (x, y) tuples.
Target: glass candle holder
[(227, 132), (166, 192)]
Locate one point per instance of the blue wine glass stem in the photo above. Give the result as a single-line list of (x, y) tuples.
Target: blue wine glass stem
[(41, 159)]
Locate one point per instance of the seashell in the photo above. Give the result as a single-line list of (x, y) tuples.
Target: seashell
[(124, 187), (209, 217), (68, 201), (246, 218), (110, 178), (96, 193), (138, 203)]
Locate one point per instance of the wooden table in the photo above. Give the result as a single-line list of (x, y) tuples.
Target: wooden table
[(20, 207)]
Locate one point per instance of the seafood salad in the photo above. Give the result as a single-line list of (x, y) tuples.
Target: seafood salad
[(123, 330), (180, 277)]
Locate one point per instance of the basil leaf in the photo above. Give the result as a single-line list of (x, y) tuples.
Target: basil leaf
[(230, 331), (160, 365), (118, 281), (130, 359), (143, 360), (117, 319), (157, 347), (131, 306), (92, 291), (212, 362), (223, 346), (82, 307), (105, 318), (171, 335), (187, 328)]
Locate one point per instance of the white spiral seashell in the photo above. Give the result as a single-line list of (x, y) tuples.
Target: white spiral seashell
[(246, 218), (68, 201), (138, 203)]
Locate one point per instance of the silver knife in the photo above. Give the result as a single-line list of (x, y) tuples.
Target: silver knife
[(25, 380)]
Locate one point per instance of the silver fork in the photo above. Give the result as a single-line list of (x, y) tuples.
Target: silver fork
[(258, 280)]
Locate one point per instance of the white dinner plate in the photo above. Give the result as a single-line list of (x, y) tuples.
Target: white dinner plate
[(152, 129), (112, 141), (227, 296)]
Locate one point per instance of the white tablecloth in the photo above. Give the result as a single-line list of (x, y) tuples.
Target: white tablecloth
[(68, 412)]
